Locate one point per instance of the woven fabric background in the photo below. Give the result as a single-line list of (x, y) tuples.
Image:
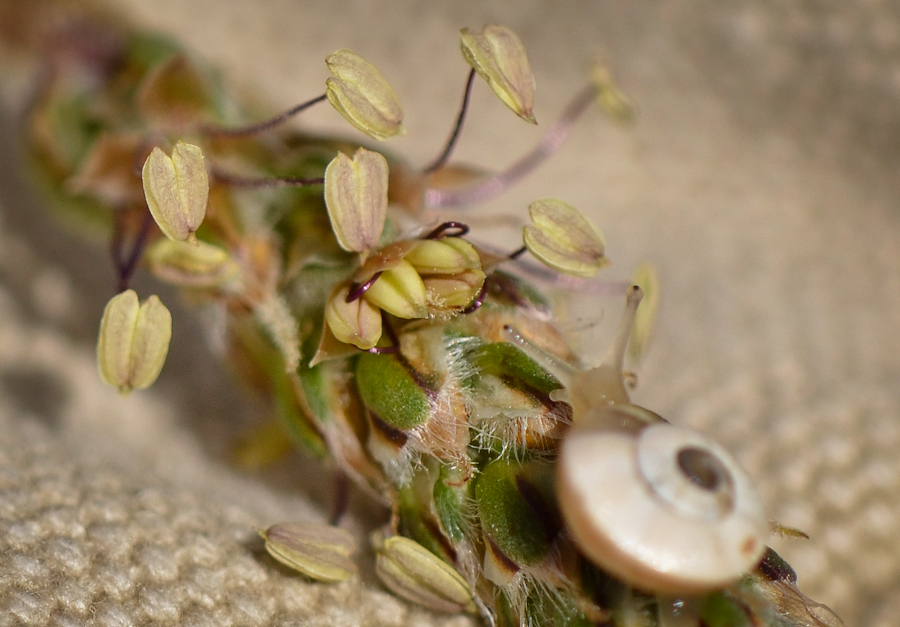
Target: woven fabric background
[(760, 180)]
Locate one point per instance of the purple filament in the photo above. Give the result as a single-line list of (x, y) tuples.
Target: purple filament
[(458, 230), (356, 291), (476, 304), (384, 350)]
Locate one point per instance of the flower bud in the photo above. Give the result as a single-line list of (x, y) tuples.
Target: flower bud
[(203, 265), (412, 572), (453, 292), (320, 552), (363, 96), (563, 239), (498, 55), (356, 196), (449, 255), (134, 340), (357, 322), (177, 190), (399, 291)]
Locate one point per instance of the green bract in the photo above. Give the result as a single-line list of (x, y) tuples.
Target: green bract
[(390, 392), (517, 513)]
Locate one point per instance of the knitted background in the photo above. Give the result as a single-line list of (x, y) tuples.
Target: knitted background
[(760, 180)]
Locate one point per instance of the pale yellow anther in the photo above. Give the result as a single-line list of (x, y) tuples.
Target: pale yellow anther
[(611, 99), (320, 552), (357, 322), (563, 239), (133, 342), (356, 196), (177, 190), (497, 54), (411, 571), (363, 96)]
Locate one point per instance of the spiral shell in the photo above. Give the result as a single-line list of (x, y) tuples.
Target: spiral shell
[(666, 509)]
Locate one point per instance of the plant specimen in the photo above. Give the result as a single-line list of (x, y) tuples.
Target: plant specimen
[(521, 485)]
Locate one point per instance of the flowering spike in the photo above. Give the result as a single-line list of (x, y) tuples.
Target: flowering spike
[(522, 486), (563, 239), (133, 342), (363, 96), (356, 197), (497, 54), (177, 190)]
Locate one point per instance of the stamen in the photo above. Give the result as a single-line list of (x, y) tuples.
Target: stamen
[(517, 253), (476, 304), (441, 161), (125, 267), (356, 291), (458, 230), (493, 186), (384, 350), (254, 129)]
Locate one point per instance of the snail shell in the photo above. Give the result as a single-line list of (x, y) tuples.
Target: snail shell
[(665, 509)]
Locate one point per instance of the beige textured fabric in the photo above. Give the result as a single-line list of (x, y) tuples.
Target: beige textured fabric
[(760, 180)]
